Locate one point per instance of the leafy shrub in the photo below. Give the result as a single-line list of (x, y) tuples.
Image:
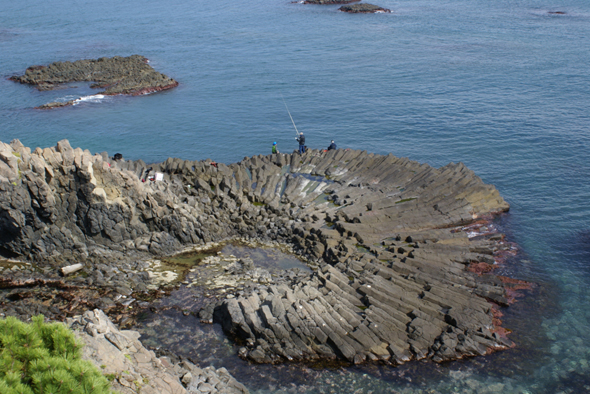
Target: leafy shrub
[(44, 358)]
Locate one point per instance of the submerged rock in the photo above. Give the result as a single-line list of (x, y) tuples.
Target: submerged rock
[(392, 279), (117, 75), (364, 8)]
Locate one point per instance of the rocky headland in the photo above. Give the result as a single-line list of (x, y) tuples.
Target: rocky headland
[(397, 271), (363, 8), (130, 75)]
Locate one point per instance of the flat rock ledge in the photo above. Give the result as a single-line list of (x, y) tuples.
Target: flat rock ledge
[(364, 8), (392, 279), (117, 75), (134, 369)]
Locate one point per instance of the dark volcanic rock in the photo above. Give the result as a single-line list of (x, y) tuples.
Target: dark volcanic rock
[(395, 279), (56, 104), (117, 75), (362, 8), (324, 2)]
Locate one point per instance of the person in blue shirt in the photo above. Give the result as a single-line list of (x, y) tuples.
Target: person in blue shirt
[(274, 148), (332, 146)]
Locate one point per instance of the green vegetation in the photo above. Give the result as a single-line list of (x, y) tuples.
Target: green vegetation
[(44, 358), (110, 376), (362, 248)]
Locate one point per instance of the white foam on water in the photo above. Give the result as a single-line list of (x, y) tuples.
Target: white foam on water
[(66, 98), (92, 98)]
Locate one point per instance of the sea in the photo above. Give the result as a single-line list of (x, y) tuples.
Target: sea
[(502, 86)]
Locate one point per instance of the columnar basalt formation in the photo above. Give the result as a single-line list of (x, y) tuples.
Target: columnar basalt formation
[(391, 280), (117, 75)]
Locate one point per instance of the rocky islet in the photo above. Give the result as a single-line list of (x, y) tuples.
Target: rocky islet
[(363, 8), (130, 75), (397, 275), (328, 2)]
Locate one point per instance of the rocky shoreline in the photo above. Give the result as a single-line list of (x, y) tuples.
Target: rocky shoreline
[(134, 369), (395, 274), (117, 75)]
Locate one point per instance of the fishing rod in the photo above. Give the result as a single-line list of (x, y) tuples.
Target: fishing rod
[(292, 121)]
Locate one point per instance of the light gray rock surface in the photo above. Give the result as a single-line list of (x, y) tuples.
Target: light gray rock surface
[(133, 369)]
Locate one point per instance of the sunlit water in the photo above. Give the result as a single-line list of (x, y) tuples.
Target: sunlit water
[(503, 86)]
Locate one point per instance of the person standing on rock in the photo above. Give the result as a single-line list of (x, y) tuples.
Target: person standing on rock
[(274, 148), (332, 146), (301, 140)]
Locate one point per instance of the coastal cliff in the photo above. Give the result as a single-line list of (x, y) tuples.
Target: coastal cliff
[(392, 277)]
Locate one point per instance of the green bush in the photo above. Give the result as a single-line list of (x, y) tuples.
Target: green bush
[(44, 358)]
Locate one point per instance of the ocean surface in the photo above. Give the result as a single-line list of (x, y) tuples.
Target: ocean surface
[(502, 85)]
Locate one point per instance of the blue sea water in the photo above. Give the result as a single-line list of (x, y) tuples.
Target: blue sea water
[(503, 86)]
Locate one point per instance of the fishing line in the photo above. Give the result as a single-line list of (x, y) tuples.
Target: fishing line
[(292, 121)]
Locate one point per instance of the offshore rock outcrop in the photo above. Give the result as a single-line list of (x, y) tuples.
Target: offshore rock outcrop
[(392, 279), (117, 75), (328, 2), (363, 8)]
